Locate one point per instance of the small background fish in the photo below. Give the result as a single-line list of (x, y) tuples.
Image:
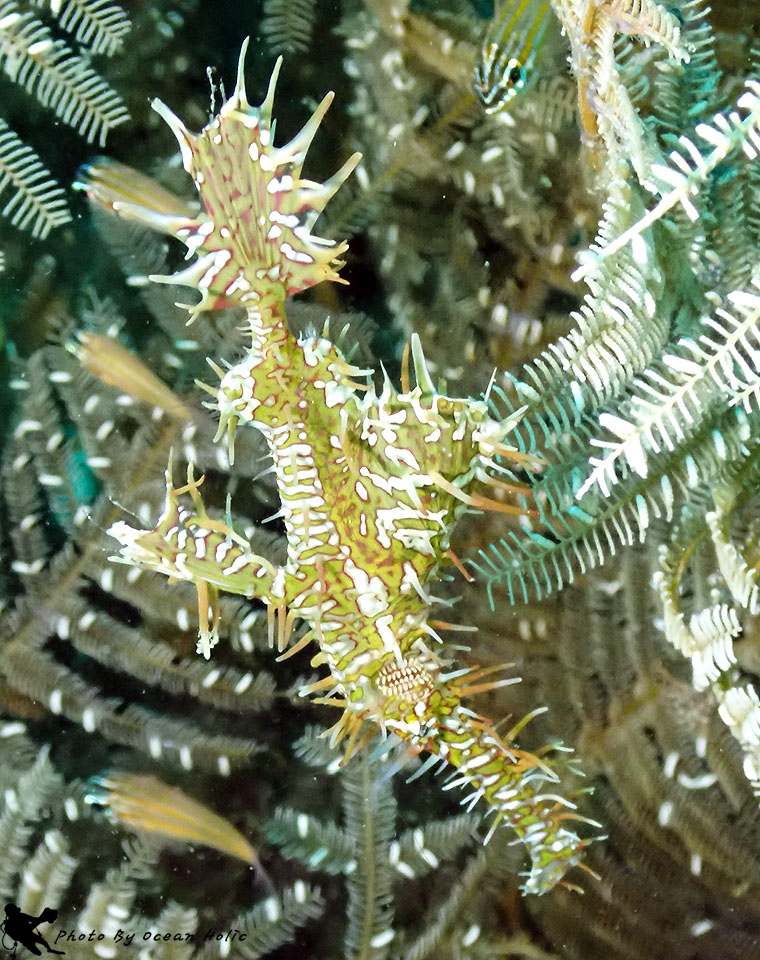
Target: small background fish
[(512, 48)]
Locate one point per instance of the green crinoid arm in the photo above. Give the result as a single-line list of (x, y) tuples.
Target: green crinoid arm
[(188, 544)]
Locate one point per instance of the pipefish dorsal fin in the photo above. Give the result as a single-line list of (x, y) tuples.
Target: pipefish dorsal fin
[(511, 47)]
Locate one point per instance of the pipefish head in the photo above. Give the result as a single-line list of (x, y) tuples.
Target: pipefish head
[(510, 48)]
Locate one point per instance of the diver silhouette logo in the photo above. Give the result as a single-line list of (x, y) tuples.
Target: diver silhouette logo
[(20, 927)]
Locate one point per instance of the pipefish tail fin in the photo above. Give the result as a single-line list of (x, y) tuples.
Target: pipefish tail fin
[(253, 237)]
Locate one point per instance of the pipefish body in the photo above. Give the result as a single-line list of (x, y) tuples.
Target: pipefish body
[(510, 49)]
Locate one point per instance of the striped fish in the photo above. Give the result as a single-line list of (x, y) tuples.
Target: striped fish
[(510, 48)]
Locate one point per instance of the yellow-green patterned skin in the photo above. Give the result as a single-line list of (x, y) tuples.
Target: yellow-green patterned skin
[(371, 484)]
